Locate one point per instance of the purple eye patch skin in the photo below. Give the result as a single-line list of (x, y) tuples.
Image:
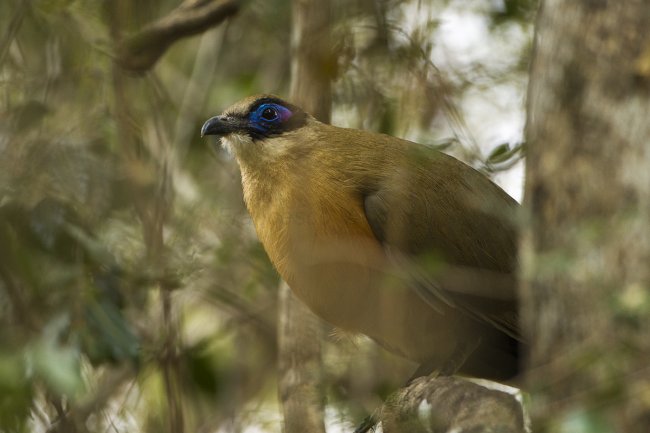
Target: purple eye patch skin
[(272, 117)]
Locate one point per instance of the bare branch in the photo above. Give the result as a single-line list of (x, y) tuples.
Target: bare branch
[(446, 404), (142, 50)]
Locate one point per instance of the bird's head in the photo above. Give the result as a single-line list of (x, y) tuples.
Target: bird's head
[(246, 128)]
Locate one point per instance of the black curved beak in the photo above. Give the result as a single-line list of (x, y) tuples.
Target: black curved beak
[(222, 125)]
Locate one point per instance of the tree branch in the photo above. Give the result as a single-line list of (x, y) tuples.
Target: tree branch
[(446, 404), (142, 50)]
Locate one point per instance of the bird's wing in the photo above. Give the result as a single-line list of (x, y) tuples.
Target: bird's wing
[(446, 228)]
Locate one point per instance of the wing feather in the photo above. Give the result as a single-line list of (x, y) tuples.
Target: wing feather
[(449, 229)]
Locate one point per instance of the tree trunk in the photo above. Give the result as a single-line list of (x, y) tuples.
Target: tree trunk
[(300, 385), (313, 63), (586, 298), (300, 332)]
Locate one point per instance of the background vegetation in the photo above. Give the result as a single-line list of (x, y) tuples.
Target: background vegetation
[(134, 295)]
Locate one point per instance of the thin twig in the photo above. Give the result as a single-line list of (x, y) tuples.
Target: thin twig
[(170, 366), (12, 29)]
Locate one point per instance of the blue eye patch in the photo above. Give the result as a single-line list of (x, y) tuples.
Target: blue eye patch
[(269, 117)]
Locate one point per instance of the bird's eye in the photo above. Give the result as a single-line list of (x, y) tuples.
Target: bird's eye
[(269, 114)]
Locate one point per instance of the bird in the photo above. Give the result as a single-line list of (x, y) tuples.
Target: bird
[(382, 236)]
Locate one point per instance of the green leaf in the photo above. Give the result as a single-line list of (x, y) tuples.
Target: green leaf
[(107, 335), (28, 114), (203, 368), (500, 153), (584, 421), (445, 143), (15, 392), (57, 364)]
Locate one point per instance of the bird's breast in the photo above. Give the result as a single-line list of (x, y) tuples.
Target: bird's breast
[(322, 245), (317, 237)]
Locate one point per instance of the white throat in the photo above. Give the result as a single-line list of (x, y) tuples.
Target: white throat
[(237, 144), (257, 153)]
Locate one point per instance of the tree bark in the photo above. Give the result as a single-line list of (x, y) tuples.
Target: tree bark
[(300, 384), (140, 52), (313, 63), (300, 331), (449, 404), (585, 254)]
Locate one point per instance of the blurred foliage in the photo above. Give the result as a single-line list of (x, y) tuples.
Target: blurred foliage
[(583, 421), (126, 252), (514, 10)]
